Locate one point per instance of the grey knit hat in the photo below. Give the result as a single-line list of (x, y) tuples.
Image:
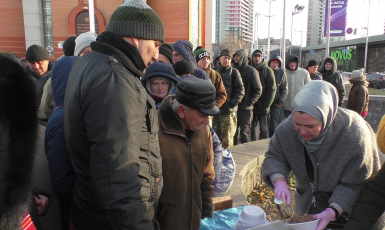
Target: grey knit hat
[(83, 41), (136, 19)]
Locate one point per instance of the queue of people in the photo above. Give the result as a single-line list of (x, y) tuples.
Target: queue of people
[(138, 131)]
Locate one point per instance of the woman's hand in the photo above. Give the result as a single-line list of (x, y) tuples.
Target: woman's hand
[(324, 218), (281, 191)]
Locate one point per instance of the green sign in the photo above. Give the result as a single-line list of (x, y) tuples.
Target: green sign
[(344, 54)]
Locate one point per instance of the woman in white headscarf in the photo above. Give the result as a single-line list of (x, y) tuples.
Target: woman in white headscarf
[(331, 151)]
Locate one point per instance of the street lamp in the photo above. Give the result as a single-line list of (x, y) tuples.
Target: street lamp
[(268, 33), (297, 10), (255, 41), (300, 48)]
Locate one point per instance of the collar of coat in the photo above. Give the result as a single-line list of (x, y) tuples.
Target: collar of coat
[(170, 121)]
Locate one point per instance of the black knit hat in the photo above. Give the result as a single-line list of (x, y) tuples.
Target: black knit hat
[(197, 94), (36, 53), (69, 46), (311, 63), (167, 50), (201, 53), (136, 19), (183, 67), (225, 52)]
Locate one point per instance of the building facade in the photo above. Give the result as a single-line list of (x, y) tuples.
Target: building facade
[(316, 22), (50, 22), (234, 21)]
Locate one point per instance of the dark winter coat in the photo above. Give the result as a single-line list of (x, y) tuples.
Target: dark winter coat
[(60, 166), (234, 88), (358, 99), (280, 81), (111, 131), (370, 205), (185, 48), (251, 82), (188, 172), (333, 77), (266, 74), (316, 76), (18, 133)]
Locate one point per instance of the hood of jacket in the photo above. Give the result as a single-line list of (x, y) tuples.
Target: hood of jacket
[(185, 48), (331, 60), (275, 56), (243, 62), (59, 77), (289, 59), (18, 133), (216, 57)]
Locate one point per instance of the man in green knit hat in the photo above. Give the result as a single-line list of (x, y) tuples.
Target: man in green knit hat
[(111, 125)]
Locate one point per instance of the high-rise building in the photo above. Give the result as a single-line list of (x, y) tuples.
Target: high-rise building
[(316, 21), (234, 21), (50, 22)]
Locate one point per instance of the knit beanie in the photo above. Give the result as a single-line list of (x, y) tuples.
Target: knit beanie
[(312, 63), (167, 50), (183, 67), (225, 52), (201, 53), (36, 53), (83, 41), (358, 75), (136, 19), (69, 46)]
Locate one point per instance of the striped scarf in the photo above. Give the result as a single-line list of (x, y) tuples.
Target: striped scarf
[(27, 223)]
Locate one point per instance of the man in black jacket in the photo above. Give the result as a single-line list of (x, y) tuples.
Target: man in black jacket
[(111, 125), (275, 63), (262, 107), (328, 69), (253, 90), (225, 124)]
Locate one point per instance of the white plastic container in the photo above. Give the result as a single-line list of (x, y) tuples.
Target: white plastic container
[(251, 216)]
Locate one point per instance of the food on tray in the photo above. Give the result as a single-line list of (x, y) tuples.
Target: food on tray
[(300, 219)]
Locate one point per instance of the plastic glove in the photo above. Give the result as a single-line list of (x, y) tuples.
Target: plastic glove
[(324, 218), (281, 191)]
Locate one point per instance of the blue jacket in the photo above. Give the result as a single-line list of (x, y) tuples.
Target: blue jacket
[(185, 48), (60, 167)]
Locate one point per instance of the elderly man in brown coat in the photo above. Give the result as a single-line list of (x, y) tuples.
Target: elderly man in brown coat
[(187, 155)]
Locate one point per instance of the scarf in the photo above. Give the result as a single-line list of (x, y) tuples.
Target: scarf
[(318, 99), (114, 45)]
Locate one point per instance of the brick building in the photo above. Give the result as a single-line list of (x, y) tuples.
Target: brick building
[(50, 22)]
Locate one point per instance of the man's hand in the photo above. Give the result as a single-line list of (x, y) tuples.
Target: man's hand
[(42, 203), (278, 105), (324, 218)]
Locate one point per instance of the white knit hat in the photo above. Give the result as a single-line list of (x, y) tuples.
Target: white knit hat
[(84, 40)]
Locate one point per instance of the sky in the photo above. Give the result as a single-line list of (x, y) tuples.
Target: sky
[(357, 16)]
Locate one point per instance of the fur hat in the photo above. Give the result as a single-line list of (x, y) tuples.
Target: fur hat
[(167, 50), (136, 19), (36, 53), (201, 53), (69, 46), (83, 41)]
